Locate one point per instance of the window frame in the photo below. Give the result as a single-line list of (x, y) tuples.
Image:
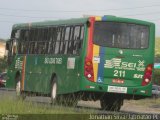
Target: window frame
[(31, 39)]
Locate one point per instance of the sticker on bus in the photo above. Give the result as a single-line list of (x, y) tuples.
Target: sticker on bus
[(52, 60), (117, 63), (96, 59), (116, 89), (71, 63), (18, 63)]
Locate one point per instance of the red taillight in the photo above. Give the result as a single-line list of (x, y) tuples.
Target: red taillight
[(88, 69), (147, 75)]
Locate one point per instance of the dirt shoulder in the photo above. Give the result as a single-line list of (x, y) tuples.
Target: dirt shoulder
[(143, 106)]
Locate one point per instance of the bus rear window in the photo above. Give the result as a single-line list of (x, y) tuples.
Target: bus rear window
[(121, 35)]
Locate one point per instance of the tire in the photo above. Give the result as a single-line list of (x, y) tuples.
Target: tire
[(54, 92), (64, 100), (111, 103), (19, 93), (2, 85), (18, 88)]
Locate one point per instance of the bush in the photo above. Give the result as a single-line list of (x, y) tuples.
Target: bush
[(157, 58), (156, 79)]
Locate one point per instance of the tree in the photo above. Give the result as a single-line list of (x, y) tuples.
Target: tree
[(156, 79)]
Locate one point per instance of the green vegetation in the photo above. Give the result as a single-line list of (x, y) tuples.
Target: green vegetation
[(156, 76), (157, 60), (2, 40), (26, 110), (10, 105), (13, 105), (157, 50), (157, 45)]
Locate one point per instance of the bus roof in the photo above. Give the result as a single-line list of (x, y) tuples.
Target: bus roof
[(51, 23), (77, 21)]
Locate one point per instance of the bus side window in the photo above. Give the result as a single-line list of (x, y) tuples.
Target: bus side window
[(49, 40), (35, 41), (76, 39), (31, 41), (46, 40), (67, 33), (15, 38), (38, 50), (25, 38), (52, 40), (40, 47), (21, 42), (81, 39), (58, 40), (62, 42), (40, 44), (71, 41)]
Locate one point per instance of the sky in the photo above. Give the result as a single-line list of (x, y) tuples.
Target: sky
[(22, 11)]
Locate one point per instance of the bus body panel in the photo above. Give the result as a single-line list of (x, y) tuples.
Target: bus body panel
[(120, 68), (113, 67), (40, 68), (128, 68), (89, 86), (43, 67)]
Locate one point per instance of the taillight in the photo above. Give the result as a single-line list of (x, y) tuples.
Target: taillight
[(147, 75), (88, 69)]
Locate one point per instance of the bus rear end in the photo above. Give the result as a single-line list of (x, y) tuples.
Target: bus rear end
[(119, 58)]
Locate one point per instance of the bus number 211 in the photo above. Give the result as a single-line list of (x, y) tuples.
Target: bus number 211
[(119, 73)]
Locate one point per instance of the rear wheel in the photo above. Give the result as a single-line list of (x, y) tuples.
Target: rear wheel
[(111, 103), (19, 93), (2, 85), (18, 88), (54, 92)]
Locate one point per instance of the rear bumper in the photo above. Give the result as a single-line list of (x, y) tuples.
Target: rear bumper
[(145, 91)]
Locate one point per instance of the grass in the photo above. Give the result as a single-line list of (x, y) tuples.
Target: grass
[(8, 105), (26, 110), (11, 105)]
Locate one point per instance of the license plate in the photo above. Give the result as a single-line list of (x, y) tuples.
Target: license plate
[(116, 89)]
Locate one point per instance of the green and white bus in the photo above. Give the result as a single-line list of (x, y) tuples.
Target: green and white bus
[(96, 58)]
